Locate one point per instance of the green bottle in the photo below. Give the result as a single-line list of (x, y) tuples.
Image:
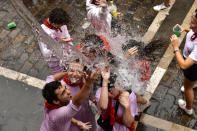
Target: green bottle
[(11, 25)]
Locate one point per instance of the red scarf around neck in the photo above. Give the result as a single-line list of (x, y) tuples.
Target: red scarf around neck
[(51, 106), (47, 24), (111, 112), (194, 36), (67, 81)]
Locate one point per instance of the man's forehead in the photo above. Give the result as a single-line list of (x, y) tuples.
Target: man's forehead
[(76, 66), (58, 91)]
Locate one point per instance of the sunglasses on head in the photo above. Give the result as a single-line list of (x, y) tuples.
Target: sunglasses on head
[(196, 14)]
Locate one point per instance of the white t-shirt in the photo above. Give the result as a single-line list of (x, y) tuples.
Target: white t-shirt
[(49, 56), (99, 17), (190, 49)]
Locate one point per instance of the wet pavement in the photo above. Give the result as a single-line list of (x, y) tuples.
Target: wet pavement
[(21, 106), (164, 100), (19, 51)]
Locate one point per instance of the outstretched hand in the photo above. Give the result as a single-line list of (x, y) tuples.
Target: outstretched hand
[(106, 73), (101, 3), (132, 52), (91, 77), (66, 40), (84, 126)]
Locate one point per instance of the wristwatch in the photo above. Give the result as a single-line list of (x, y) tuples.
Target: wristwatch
[(177, 50)]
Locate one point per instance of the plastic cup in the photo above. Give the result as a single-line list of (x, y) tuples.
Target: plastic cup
[(178, 34), (11, 25), (177, 30)]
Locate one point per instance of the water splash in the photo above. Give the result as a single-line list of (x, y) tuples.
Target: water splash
[(128, 75)]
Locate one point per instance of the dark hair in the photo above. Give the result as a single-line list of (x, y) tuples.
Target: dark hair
[(143, 51), (96, 44), (93, 40), (131, 43), (48, 92), (94, 2), (59, 16)]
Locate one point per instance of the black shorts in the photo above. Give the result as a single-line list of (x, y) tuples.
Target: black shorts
[(191, 73)]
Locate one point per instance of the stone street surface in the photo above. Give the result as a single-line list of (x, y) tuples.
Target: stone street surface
[(22, 105)]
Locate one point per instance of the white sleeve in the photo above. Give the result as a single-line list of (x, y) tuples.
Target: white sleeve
[(89, 5), (44, 50), (193, 54), (66, 34), (93, 10), (50, 32)]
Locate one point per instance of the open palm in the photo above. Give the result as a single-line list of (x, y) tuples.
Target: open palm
[(84, 126)]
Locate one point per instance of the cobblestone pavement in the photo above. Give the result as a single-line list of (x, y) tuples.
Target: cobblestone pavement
[(19, 50), (164, 101)]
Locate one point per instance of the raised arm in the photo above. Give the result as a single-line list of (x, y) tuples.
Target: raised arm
[(127, 118), (103, 102), (59, 76), (103, 5), (83, 93)]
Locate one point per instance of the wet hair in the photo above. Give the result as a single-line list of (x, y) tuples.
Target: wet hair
[(59, 16), (94, 2), (143, 51), (131, 43), (93, 41), (96, 44), (48, 92)]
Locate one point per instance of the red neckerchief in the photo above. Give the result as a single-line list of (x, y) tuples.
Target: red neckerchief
[(110, 113), (51, 106), (194, 36), (67, 81), (47, 24), (106, 44)]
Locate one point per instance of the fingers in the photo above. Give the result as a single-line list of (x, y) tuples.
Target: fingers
[(95, 75), (124, 94), (64, 37), (173, 37), (133, 50), (87, 126)]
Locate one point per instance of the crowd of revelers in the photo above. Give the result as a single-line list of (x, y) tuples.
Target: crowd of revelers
[(69, 90)]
